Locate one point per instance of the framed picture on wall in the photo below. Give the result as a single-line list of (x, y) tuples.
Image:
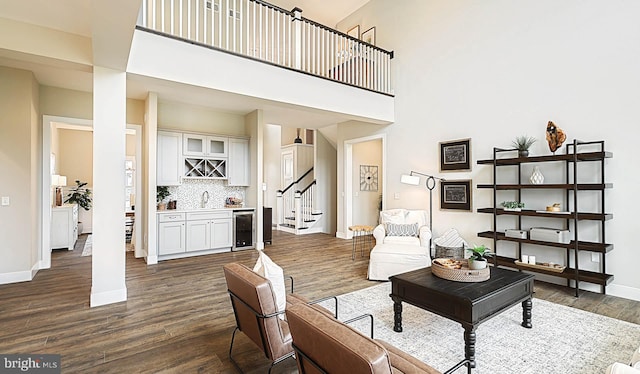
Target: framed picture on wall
[(456, 195), (369, 36), (354, 32), (455, 155)]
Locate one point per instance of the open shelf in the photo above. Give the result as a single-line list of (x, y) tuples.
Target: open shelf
[(563, 186), (568, 273), (584, 246), (585, 156), (534, 213)]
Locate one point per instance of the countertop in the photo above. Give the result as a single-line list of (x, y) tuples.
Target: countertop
[(203, 210)]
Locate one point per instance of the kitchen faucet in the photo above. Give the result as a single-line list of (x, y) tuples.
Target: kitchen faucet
[(205, 198)]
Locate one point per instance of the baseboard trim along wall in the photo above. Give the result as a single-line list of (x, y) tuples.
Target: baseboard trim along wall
[(108, 297), (624, 291), (16, 276)]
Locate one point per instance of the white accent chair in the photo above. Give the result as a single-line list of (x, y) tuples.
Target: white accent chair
[(398, 254), (632, 368)]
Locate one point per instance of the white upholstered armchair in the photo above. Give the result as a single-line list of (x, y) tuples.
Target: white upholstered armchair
[(402, 243), (402, 222)]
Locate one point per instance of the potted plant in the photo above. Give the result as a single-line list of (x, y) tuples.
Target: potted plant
[(479, 256), (80, 195), (522, 144), (513, 206), (161, 193)]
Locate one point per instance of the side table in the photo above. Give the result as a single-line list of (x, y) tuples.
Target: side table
[(361, 238)]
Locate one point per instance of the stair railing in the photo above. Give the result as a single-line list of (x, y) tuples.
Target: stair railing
[(286, 207)]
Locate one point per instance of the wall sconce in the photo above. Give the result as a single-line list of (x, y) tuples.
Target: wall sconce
[(414, 179), (58, 181)]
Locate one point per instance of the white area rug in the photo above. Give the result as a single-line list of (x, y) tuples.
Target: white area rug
[(562, 340), (88, 246)]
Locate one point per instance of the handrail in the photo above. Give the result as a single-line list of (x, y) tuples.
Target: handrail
[(295, 182), (306, 188)]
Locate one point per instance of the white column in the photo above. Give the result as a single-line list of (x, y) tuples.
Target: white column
[(109, 125), (151, 141)]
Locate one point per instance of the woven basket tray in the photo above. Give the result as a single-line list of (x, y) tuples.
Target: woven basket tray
[(463, 274)]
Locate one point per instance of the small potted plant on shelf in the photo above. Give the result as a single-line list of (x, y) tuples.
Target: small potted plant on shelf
[(161, 193), (513, 206), (522, 144), (479, 256)]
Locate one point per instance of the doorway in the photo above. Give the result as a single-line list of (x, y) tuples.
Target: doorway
[(361, 158), (50, 160)]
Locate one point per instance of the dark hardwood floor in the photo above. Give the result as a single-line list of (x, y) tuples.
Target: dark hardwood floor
[(178, 318)]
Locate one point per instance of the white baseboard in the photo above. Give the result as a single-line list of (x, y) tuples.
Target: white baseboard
[(34, 269), (15, 277), (152, 260), (627, 292), (108, 297), (342, 235)]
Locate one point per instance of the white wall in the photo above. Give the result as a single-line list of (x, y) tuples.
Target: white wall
[(186, 117), (326, 178), (496, 69), (19, 160)]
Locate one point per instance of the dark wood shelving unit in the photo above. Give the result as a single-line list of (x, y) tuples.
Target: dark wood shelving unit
[(572, 188)]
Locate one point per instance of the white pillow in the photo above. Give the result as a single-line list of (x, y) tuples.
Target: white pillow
[(270, 270), (393, 216)]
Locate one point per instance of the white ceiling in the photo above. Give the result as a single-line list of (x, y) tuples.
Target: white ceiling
[(75, 16)]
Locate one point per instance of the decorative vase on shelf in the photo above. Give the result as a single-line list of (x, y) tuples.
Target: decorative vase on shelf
[(536, 176)]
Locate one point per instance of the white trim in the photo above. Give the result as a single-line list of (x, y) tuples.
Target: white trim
[(45, 209), (348, 177), (15, 277), (108, 297), (627, 292)]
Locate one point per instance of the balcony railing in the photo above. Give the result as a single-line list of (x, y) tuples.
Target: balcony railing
[(265, 32)]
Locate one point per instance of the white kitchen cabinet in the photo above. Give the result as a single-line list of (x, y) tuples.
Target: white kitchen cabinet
[(64, 226), (239, 163), (198, 235), (205, 145), (171, 233), (169, 160), (209, 229), (222, 233)]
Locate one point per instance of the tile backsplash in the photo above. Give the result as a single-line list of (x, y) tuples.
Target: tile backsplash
[(189, 194)]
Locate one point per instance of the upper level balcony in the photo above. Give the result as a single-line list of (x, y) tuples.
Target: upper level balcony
[(261, 31)]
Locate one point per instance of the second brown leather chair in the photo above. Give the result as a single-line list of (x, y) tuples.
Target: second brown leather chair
[(326, 345)]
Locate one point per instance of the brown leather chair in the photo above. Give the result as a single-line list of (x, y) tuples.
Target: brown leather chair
[(256, 312), (326, 345)]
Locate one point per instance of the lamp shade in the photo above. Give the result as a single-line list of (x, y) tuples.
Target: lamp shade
[(58, 180), (413, 180)]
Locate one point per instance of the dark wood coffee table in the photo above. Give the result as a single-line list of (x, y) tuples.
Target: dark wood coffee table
[(470, 304)]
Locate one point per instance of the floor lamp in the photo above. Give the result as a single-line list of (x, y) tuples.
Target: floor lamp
[(414, 179)]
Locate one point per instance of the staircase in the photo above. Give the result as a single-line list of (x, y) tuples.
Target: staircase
[(295, 208)]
